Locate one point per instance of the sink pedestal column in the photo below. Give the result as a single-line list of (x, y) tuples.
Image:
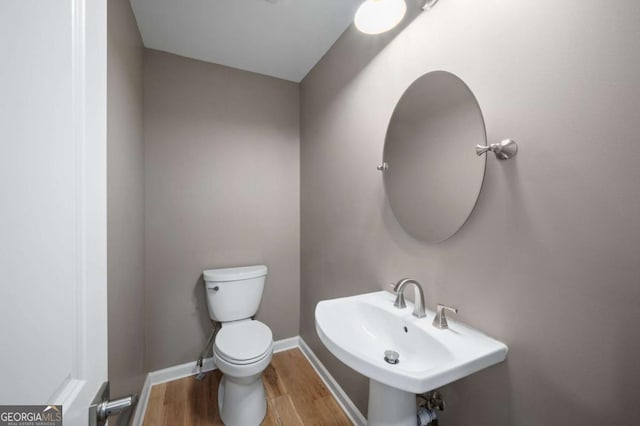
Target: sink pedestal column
[(390, 406)]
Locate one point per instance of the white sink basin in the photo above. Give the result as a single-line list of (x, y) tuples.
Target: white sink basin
[(359, 329)]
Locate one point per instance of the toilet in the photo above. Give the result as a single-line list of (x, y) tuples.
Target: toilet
[(243, 347)]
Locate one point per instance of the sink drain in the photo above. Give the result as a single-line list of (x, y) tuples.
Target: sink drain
[(392, 357)]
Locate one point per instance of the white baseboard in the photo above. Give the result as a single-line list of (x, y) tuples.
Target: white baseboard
[(189, 369), (338, 393), (286, 344)]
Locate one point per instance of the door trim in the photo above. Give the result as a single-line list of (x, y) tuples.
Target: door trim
[(88, 111)]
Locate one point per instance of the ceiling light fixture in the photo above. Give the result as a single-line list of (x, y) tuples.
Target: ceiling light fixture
[(379, 16)]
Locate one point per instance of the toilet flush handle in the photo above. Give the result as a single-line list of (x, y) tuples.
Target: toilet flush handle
[(216, 288)]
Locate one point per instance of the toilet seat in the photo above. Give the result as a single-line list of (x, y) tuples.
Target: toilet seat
[(244, 342)]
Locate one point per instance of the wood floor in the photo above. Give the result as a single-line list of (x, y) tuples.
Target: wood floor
[(295, 396)]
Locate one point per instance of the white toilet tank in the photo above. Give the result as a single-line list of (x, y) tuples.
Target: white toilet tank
[(234, 293)]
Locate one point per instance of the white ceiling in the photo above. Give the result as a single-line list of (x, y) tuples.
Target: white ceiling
[(280, 38)]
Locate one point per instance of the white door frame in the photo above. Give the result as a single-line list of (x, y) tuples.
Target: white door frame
[(59, 112), (89, 40)]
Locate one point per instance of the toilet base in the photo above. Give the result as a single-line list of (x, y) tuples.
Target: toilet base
[(242, 401)]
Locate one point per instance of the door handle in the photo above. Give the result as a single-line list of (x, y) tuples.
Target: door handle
[(101, 407)]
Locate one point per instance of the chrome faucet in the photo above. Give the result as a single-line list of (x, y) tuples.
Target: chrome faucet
[(418, 304)]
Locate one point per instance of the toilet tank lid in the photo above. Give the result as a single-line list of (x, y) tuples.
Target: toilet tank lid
[(234, 274)]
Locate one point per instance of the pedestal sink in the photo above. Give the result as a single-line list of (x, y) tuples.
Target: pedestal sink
[(359, 329)]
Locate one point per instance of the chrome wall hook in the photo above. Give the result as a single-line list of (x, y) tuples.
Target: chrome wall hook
[(504, 150), (382, 167)]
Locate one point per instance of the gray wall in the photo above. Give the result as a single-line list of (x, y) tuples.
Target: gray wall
[(550, 259), (222, 189), (125, 203)]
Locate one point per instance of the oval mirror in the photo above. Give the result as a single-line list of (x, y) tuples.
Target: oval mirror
[(432, 173)]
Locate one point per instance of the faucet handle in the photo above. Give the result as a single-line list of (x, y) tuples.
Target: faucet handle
[(440, 321)]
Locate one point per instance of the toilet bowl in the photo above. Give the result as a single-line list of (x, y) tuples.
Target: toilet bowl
[(243, 347), (242, 351)]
